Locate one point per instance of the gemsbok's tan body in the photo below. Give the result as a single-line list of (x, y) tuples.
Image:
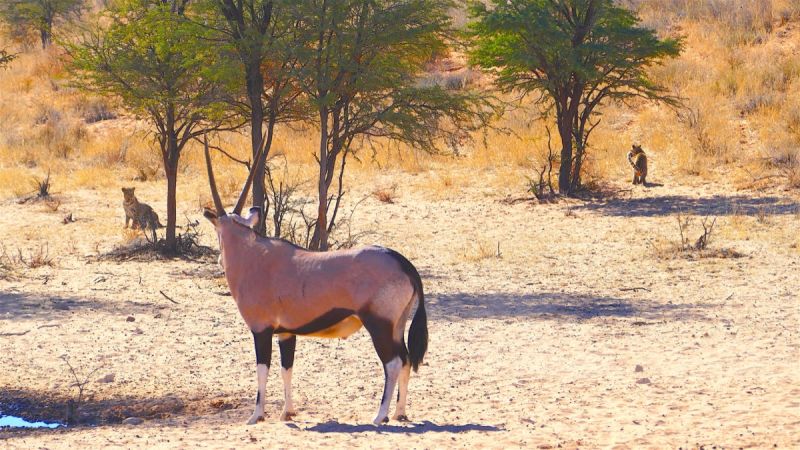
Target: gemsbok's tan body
[(282, 289)]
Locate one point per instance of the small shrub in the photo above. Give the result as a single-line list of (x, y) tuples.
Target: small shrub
[(42, 186), (386, 195), (36, 257), (482, 250), (97, 111), (690, 248)]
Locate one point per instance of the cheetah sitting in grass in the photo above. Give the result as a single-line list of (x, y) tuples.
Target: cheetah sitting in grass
[(638, 160), (141, 215)]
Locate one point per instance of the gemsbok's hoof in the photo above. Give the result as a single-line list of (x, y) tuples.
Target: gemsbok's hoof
[(401, 418), (287, 416), (254, 419), (378, 421)]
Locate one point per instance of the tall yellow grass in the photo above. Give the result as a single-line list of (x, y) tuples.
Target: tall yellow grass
[(739, 76)]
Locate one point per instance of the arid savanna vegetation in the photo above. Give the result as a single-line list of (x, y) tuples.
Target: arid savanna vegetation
[(567, 307)]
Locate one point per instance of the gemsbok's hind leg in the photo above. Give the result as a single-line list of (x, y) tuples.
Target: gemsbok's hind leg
[(402, 392), (389, 351), (263, 342), (287, 346)]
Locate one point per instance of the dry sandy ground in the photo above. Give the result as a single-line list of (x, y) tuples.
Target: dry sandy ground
[(537, 348)]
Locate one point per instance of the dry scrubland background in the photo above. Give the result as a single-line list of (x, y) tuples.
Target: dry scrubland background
[(556, 335), (739, 74)]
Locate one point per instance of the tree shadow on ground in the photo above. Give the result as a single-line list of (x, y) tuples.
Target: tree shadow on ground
[(17, 305), (717, 205), (412, 428), (51, 407), (558, 306)]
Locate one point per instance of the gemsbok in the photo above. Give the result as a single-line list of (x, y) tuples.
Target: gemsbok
[(282, 289)]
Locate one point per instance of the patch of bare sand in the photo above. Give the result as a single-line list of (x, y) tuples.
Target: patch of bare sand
[(537, 348)]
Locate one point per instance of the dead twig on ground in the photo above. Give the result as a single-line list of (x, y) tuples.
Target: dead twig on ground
[(168, 297)]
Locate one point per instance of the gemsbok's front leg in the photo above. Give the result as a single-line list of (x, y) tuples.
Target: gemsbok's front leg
[(287, 345), (263, 342)]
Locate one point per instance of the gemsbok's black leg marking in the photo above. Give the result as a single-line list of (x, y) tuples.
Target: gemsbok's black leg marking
[(263, 341), (287, 346), (263, 344)]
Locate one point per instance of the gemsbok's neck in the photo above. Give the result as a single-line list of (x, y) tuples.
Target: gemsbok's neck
[(248, 259)]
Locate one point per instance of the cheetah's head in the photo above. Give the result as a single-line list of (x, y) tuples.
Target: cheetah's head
[(128, 193)]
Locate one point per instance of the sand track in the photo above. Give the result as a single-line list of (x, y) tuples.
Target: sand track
[(537, 348)]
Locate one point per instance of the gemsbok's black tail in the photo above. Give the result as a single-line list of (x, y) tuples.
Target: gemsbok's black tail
[(418, 333)]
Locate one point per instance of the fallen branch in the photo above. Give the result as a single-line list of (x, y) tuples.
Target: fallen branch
[(168, 298), (635, 289), (21, 333)]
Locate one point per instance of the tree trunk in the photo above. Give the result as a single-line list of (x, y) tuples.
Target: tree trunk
[(565, 170), (255, 87), (320, 240), (171, 155), (45, 35), (171, 242), (578, 166), (261, 227)]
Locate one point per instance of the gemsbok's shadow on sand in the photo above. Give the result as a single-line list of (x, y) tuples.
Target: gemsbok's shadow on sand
[(564, 306), (412, 428), (715, 205), (19, 305)]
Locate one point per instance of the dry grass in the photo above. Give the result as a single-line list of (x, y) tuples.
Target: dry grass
[(481, 250), (739, 74), (32, 258), (685, 245)]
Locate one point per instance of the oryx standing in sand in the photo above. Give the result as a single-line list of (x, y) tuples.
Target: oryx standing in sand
[(286, 290)]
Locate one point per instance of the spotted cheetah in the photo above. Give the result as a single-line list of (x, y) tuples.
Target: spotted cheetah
[(638, 160), (139, 214)]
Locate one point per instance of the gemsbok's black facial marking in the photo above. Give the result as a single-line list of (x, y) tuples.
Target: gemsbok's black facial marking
[(322, 322), (263, 342), (287, 347)]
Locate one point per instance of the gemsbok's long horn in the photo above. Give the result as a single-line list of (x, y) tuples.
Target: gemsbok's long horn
[(211, 182), (243, 196)]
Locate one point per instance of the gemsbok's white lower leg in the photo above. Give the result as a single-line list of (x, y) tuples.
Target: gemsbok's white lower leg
[(288, 405), (392, 370), (261, 370), (402, 393)]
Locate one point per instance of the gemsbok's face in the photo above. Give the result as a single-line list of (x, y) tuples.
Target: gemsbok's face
[(232, 219), (230, 225)]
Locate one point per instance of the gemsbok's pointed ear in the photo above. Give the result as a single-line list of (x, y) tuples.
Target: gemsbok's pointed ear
[(253, 217), (210, 215)]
